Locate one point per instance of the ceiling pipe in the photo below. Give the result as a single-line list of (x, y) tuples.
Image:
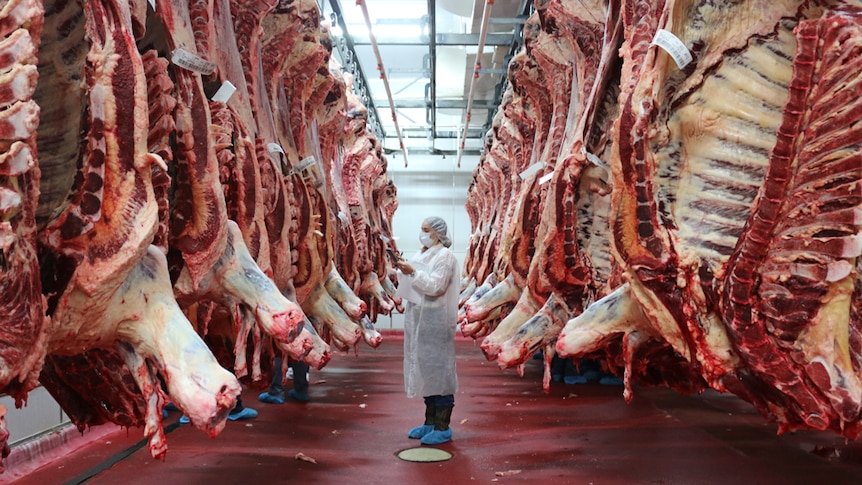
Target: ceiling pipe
[(486, 16), (380, 68)]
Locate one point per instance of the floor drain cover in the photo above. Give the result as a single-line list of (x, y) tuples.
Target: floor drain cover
[(424, 454)]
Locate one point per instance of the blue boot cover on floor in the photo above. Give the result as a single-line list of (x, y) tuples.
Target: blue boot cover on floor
[(184, 419), (299, 396), (420, 431), (246, 413), (436, 437), (271, 398)]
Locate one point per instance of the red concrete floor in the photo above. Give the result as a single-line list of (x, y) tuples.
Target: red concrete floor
[(359, 416)]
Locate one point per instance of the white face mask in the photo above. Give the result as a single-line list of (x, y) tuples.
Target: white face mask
[(425, 239)]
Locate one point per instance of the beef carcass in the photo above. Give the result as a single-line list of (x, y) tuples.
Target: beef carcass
[(98, 269), (518, 241), (143, 325), (4, 437), (791, 292), (571, 264), (238, 283), (198, 226), (700, 183), (22, 312), (556, 262)]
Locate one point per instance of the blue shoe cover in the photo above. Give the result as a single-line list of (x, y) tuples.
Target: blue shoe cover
[(299, 396), (611, 381), (436, 437), (246, 413), (271, 398), (591, 375), (557, 377), (420, 431), (575, 380), (164, 414), (184, 419)]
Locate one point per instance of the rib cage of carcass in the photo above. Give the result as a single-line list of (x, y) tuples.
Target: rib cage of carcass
[(157, 235), (729, 195)]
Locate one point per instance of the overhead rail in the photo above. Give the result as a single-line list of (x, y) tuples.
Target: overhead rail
[(380, 68), (483, 32)]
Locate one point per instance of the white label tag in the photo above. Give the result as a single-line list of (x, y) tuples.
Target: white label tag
[(531, 170), (671, 43), (153, 4), (274, 148), (546, 177), (304, 164), (594, 159), (224, 92), (192, 62)]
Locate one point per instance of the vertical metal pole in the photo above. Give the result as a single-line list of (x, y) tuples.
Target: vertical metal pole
[(432, 47), (380, 68), (486, 16)]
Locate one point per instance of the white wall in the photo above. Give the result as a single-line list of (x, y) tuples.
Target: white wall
[(431, 185)]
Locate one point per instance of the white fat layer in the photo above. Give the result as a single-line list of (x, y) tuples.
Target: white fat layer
[(20, 82), (827, 342), (236, 278), (322, 307), (617, 313), (504, 292), (526, 307), (18, 47), (724, 145)]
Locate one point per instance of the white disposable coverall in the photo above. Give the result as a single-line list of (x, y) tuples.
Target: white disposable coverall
[(429, 327)]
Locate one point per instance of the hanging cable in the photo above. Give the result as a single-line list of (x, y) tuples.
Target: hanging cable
[(373, 39), (483, 32)]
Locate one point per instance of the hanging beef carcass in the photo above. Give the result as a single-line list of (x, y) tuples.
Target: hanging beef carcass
[(22, 313), (699, 185), (567, 84), (235, 280), (303, 70), (108, 290), (623, 331), (518, 241), (116, 332), (570, 264)]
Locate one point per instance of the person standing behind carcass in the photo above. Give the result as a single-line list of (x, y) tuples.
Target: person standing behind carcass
[(429, 330)]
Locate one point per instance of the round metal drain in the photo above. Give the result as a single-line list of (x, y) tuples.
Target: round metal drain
[(424, 455)]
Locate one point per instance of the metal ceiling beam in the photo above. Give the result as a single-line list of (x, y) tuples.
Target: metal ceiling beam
[(436, 151), (472, 133), (440, 104), (442, 40)]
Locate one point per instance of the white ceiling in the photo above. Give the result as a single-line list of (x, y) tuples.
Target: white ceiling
[(406, 52)]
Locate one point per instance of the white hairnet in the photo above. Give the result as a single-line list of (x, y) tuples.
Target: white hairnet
[(438, 225)]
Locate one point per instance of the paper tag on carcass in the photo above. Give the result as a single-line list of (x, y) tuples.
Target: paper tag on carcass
[(192, 62), (224, 92), (274, 148), (153, 4), (546, 177), (594, 159), (531, 170), (671, 43), (304, 164)]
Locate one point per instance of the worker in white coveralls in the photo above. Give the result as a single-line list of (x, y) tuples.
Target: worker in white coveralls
[(429, 329)]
